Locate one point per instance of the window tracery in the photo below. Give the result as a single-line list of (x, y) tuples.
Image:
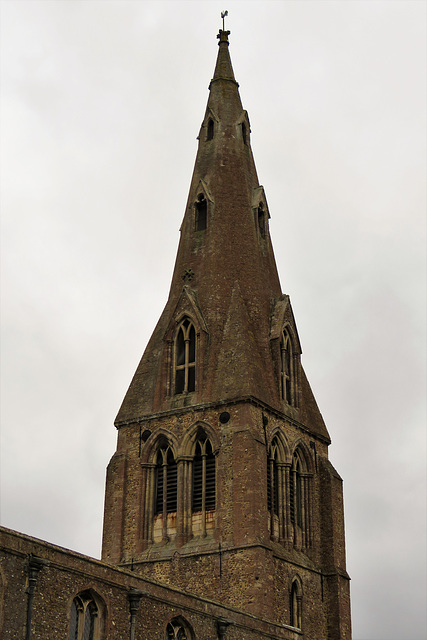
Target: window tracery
[(84, 618), (175, 630)]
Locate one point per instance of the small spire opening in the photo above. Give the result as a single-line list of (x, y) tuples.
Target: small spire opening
[(261, 221), (210, 133), (244, 133), (201, 213)]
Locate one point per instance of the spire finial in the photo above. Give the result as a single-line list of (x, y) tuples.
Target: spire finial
[(223, 15)]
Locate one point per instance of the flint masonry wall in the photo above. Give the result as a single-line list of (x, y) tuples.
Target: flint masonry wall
[(64, 574)]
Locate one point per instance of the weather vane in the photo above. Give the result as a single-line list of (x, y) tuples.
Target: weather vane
[(223, 14)]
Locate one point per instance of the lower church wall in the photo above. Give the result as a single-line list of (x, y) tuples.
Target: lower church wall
[(61, 575)]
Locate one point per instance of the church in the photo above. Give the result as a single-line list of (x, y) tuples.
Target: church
[(223, 514)]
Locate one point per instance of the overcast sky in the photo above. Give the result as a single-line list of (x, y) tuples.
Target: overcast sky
[(101, 106)]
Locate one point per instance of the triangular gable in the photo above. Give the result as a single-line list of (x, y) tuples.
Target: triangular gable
[(282, 315), (202, 187), (259, 197), (187, 305), (210, 113), (244, 117)]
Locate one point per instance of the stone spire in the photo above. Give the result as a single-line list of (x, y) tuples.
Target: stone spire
[(225, 277)]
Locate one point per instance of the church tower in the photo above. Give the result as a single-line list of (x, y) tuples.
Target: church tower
[(221, 484)]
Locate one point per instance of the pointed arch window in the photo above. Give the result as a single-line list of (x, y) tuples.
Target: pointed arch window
[(201, 213), (185, 358), (176, 630), (166, 482), (210, 133), (286, 360), (295, 605), (84, 618)]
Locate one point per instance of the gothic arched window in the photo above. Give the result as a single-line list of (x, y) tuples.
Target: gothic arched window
[(286, 356), (176, 630), (201, 211), (185, 358), (84, 618), (295, 605)]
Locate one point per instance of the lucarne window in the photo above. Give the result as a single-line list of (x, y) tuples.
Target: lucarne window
[(83, 619), (185, 358), (286, 367), (261, 220), (201, 213), (210, 134), (244, 133)]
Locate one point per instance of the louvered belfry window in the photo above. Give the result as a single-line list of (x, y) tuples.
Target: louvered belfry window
[(273, 479), (203, 494), (295, 492), (166, 482), (185, 358)]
